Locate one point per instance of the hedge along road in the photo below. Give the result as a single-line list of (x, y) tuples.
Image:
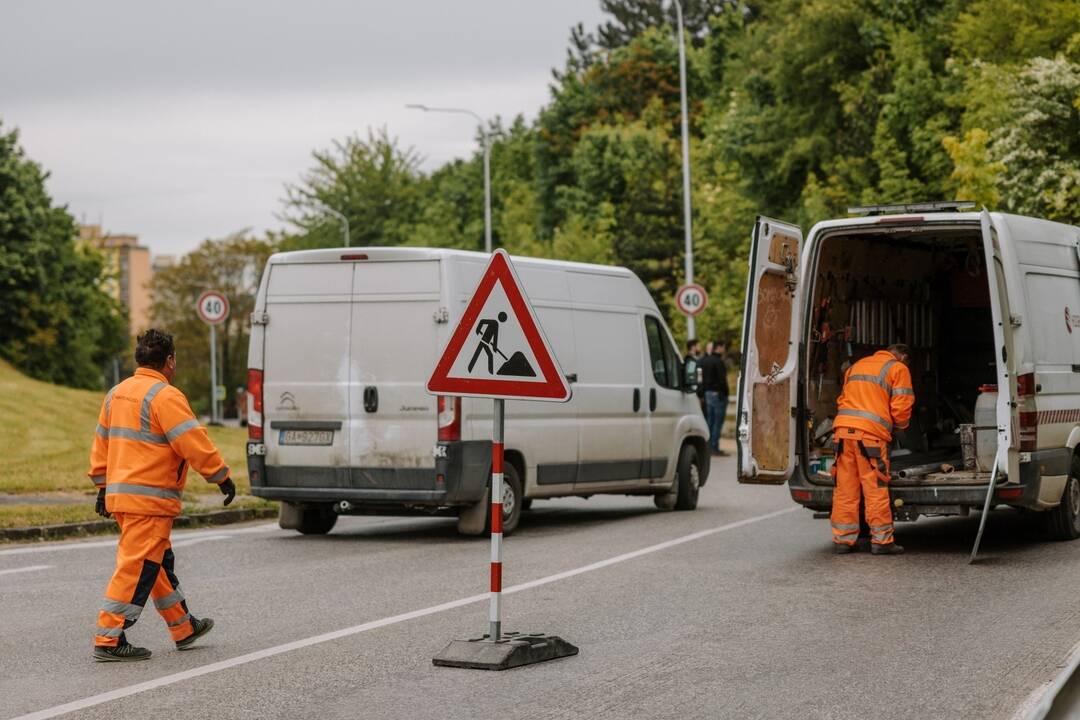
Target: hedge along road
[(735, 610)]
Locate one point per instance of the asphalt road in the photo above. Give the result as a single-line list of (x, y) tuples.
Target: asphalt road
[(736, 610)]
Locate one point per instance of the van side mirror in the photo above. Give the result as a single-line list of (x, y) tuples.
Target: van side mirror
[(691, 376)]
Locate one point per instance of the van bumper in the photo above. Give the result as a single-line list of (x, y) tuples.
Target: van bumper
[(947, 499), (459, 477)]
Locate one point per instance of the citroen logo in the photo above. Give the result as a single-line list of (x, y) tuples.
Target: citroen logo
[(287, 401)]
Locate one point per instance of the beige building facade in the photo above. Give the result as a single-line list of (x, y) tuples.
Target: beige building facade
[(130, 272)]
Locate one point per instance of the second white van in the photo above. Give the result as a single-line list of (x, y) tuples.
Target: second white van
[(343, 342)]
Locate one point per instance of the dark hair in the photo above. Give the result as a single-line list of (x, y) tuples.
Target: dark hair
[(718, 343), (691, 344), (153, 348), (899, 349)]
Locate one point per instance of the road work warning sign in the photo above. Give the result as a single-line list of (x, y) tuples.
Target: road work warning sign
[(498, 349)]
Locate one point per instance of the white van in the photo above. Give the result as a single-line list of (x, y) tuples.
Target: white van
[(343, 342), (990, 305)]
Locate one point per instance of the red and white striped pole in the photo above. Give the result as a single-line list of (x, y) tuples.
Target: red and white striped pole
[(495, 611)]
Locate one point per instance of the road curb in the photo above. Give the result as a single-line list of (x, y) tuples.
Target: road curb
[(55, 532)]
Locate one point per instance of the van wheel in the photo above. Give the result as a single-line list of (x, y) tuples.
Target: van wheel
[(1063, 522), (687, 479), (317, 519), (513, 500)]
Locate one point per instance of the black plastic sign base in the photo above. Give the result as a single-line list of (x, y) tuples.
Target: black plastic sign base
[(513, 650)]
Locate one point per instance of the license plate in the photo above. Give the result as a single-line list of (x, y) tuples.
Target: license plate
[(306, 437)]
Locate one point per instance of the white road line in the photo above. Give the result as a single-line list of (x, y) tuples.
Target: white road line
[(178, 536), (1038, 705), (166, 680), (28, 568)]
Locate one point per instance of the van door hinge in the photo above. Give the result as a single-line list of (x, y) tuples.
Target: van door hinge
[(442, 315), (1016, 319), (260, 318)]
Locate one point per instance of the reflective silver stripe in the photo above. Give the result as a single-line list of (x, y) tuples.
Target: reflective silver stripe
[(219, 475), (903, 391), (846, 526), (868, 378), (881, 528), (164, 603), (108, 400), (109, 632), (126, 434), (129, 489), (97, 479), (885, 370), (182, 428), (102, 431), (866, 416), (129, 611), (181, 621), (144, 411), (850, 536)]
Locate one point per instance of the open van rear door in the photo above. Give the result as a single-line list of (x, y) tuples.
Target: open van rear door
[(1004, 355), (769, 373)]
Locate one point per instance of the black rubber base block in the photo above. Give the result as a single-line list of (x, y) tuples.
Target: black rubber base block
[(513, 650)]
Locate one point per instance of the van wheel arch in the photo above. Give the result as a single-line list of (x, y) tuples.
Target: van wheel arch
[(1063, 522)]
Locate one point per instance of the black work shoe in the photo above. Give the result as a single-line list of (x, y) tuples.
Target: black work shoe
[(120, 653), (889, 549), (199, 628), (842, 549)]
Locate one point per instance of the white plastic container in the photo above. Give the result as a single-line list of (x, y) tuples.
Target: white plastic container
[(986, 428)]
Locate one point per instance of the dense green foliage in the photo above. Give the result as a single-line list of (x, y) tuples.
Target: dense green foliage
[(798, 110), (56, 324)]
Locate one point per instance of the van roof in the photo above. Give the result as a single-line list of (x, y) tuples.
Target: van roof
[(1028, 228), (384, 254)]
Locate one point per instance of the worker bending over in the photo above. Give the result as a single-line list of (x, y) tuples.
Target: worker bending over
[(877, 397), (146, 439)]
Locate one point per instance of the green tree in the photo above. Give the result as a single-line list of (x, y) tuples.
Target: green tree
[(58, 324), (373, 182), (233, 266)]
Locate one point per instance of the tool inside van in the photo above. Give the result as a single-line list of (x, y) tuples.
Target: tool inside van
[(928, 290)]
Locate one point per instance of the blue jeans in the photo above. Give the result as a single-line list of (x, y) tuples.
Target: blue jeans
[(715, 410)]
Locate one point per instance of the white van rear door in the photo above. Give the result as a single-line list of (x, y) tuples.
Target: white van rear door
[(769, 376), (1004, 355), (395, 342), (306, 364)]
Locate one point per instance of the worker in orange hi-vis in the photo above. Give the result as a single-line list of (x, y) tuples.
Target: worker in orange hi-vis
[(147, 437), (877, 397)]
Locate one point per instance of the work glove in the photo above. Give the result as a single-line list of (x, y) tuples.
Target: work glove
[(228, 489), (99, 505)]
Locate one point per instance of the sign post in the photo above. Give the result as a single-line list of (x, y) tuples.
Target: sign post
[(213, 309), (498, 350)]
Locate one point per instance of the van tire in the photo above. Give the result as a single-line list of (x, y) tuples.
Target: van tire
[(687, 479), (1063, 522), (469, 522), (317, 519)]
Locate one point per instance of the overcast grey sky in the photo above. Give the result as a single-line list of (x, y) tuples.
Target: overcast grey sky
[(181, 121)]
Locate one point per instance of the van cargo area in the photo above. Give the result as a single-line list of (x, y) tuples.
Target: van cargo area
[(926, 288)]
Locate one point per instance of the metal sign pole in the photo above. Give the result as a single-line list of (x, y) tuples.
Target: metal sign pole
[(495, 611), (213, 375)]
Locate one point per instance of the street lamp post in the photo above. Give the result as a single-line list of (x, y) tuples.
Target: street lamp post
[(487, 162), (344, 222), (691, 329)]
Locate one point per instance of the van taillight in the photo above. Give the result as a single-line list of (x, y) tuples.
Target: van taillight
[(449, 418), (255, 404), (1029, 416)]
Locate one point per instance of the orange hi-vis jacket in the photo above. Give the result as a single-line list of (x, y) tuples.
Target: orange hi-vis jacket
[(877, 397), (146, 438)]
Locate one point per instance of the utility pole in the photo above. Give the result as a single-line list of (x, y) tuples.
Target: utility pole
[(691, 329), (487, 162)]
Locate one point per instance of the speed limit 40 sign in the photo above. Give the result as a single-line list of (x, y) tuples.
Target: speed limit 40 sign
[(691, 299), (213, 307)]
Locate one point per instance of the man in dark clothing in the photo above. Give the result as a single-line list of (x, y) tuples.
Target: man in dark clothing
[(715, 385)]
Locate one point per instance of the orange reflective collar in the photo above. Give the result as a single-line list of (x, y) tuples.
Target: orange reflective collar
[(150, 373)]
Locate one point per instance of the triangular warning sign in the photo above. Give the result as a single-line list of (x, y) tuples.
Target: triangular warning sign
[(498, 349)]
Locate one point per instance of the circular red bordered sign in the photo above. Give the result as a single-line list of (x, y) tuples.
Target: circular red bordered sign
[(691, 299), (213, 307)]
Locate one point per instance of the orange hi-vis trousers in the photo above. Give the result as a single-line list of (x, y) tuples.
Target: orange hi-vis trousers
[(862, 468), (144, 569)]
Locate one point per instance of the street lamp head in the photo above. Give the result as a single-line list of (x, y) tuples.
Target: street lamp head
[(417, 106)]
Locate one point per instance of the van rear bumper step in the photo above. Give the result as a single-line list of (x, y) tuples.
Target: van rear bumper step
[(306, 494)]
